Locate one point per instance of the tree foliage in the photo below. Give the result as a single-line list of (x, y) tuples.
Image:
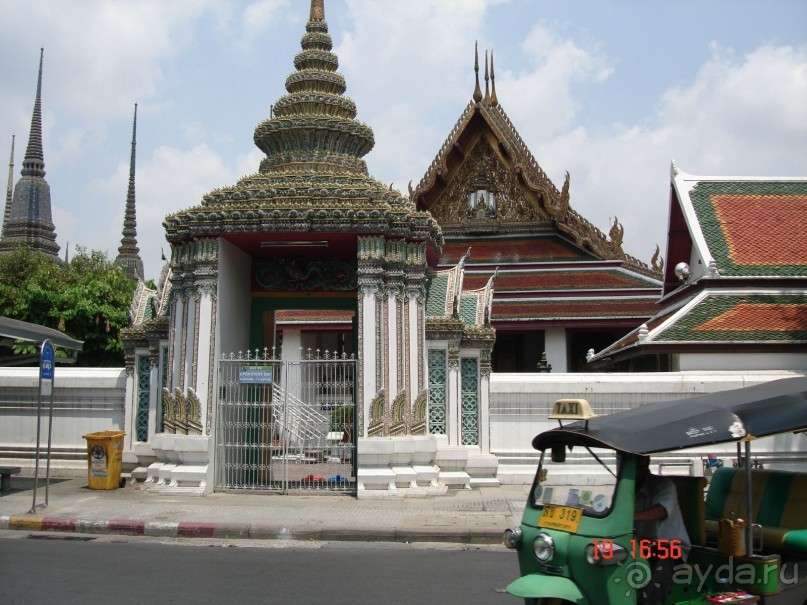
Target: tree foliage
[(87, 298)]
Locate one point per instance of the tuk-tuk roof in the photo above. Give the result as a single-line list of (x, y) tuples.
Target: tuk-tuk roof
[(779, 406)]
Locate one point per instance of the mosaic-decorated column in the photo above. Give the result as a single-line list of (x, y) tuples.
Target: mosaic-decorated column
[(371, 396), (189, 397), (415, 312), (392, 336)]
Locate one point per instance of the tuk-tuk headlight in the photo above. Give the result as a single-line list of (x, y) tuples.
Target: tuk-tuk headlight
[(544, 547), (512, 537), (605, 553)]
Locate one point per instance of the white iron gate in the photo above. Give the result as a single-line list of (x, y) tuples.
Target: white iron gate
[(286, 424)]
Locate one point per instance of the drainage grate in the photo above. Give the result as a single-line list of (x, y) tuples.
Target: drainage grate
[(70, 538)]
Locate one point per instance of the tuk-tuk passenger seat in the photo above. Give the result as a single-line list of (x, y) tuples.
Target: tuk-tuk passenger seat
[(779, 506)]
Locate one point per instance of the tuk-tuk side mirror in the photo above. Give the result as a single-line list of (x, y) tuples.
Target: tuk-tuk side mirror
[(558, 453)]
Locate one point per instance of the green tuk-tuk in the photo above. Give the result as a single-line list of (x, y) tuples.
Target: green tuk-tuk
[(748, 530)]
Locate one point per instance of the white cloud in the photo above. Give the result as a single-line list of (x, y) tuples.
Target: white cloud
[(258, 17), (744, 116), (409, 66), (544, 97)]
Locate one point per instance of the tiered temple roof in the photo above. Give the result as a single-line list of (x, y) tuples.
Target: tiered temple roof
[(313, 178)]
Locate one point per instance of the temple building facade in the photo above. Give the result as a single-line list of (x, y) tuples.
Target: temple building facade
[(562, 285), (309, 310), (314, 328)]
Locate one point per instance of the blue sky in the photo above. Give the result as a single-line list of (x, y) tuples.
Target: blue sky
[(610, 91)]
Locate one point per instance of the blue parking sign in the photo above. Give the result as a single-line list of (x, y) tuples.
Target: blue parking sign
[(46, 366)]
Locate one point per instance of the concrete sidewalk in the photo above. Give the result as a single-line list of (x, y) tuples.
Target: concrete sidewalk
[(471, 516)]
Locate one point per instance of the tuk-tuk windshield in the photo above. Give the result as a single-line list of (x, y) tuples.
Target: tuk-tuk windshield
[(586, 480)]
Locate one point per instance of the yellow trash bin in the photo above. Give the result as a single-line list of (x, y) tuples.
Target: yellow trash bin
[(104, 457)]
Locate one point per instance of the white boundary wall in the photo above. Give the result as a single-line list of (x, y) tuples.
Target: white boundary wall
[(85, 400), (520, 404), (92, 399)]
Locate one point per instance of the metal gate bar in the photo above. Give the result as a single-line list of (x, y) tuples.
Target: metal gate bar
[(286, 424)]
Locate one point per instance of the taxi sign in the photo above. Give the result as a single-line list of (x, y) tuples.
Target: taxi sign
[(572, 409)]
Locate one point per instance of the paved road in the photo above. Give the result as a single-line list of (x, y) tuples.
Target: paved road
[(75, 569)]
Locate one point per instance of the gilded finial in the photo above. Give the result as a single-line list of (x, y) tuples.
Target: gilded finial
[(317, 10), (494, 100), (477, 90)]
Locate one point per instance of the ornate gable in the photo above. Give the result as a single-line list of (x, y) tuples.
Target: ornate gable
[(484, 168), (485, 159)]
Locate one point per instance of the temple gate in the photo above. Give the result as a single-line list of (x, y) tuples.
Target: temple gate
[(283, 424)]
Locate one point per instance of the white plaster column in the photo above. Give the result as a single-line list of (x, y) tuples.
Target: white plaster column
[(154, 392), (484, 407), (392, 367), (189, 348), (175, 339), (453, 397), (556, 349), (414, 339), (130, 404), (205, 348), (367, 354)]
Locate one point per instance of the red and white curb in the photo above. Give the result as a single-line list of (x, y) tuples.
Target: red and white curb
[(193, 529), (183, 529)]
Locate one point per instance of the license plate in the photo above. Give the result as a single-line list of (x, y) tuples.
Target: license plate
[(564, 518)]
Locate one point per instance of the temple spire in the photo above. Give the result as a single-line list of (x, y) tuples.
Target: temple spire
[(30, 221), (294, 138), (487, 80), (494, 100), (128, 252), (317, 10), (34, 162), (9, 188), (477, 89)]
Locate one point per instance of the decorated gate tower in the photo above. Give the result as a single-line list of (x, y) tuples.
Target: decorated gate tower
[(309, 235)]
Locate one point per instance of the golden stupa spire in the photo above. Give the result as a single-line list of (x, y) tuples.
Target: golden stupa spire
[(477, 90), (494, 100), (317, 10)]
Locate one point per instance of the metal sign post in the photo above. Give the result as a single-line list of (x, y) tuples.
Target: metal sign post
[(46, 371)]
